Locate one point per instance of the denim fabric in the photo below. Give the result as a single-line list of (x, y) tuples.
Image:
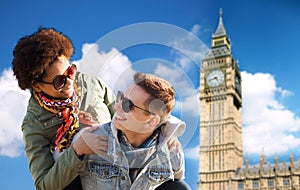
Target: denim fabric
[(111, 171)]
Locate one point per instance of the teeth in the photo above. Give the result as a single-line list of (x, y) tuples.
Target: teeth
[(118, 117)]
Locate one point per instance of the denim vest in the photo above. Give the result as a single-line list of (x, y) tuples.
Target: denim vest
[(156, 164)]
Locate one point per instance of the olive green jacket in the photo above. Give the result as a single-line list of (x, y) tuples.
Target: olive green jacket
[(39, 129)]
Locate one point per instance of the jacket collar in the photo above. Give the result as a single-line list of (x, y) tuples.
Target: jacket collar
[(173, 127)]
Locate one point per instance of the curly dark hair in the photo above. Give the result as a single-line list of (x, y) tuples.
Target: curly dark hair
[(34, 53)]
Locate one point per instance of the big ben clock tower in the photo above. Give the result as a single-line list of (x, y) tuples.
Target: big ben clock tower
[(221, 150)]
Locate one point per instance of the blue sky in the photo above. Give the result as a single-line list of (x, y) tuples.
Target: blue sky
[(168, 38)]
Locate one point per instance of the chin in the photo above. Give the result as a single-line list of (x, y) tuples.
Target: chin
[(119, 126), (116, 123), (68, 94)]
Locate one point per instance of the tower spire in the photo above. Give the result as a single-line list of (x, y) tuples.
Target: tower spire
[(219, 38), (220, 30), (221, 12)]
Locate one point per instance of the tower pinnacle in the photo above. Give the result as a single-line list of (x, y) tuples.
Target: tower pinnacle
[(220, 30)]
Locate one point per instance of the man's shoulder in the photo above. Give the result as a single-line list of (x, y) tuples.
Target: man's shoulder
[(104, 129)]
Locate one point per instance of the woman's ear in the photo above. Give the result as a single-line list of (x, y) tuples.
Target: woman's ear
[(36, 87)]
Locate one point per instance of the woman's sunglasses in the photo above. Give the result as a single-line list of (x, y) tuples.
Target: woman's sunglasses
[(60, 81), (127, 104)]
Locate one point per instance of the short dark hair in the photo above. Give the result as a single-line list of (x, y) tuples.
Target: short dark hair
[(159, 89), (34, 53)]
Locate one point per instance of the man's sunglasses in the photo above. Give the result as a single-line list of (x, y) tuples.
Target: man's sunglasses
[(127, 104), (60, 81)]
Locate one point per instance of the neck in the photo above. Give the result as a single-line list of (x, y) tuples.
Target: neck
[(136, 139)]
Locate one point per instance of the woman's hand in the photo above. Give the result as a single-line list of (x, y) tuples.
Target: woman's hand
[(89, 143), (173, 143)]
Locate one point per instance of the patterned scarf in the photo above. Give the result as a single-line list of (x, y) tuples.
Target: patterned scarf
[(67, 111)]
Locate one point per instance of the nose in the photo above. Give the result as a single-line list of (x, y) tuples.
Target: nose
[(71, 75), (118, 106), (69, 82)]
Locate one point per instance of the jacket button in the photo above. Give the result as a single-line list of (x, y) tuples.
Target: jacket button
[(122, 177)]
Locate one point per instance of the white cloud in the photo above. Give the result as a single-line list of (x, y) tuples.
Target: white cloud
[(196, 28), (12, 110), (267, 124), (284, 93), (190, 105), (192, 153), (188, 101), (112, 67), (191, 48)]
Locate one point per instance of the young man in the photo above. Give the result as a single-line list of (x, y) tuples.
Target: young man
[(138, 156)]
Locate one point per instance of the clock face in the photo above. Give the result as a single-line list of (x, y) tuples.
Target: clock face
[(215, 78)]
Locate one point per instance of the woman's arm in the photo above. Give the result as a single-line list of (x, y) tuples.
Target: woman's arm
[(46, 173)]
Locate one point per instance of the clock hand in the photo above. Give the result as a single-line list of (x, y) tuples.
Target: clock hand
[(214, 78)]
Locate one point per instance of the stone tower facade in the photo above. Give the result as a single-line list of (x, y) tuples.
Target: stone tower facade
[(266, 176), (221, 153), (220, 115)]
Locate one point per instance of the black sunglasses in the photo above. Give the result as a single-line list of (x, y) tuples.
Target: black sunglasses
[(60, 81), (127, 104)]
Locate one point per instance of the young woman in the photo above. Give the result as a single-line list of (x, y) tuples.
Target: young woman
[(61, 98)]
